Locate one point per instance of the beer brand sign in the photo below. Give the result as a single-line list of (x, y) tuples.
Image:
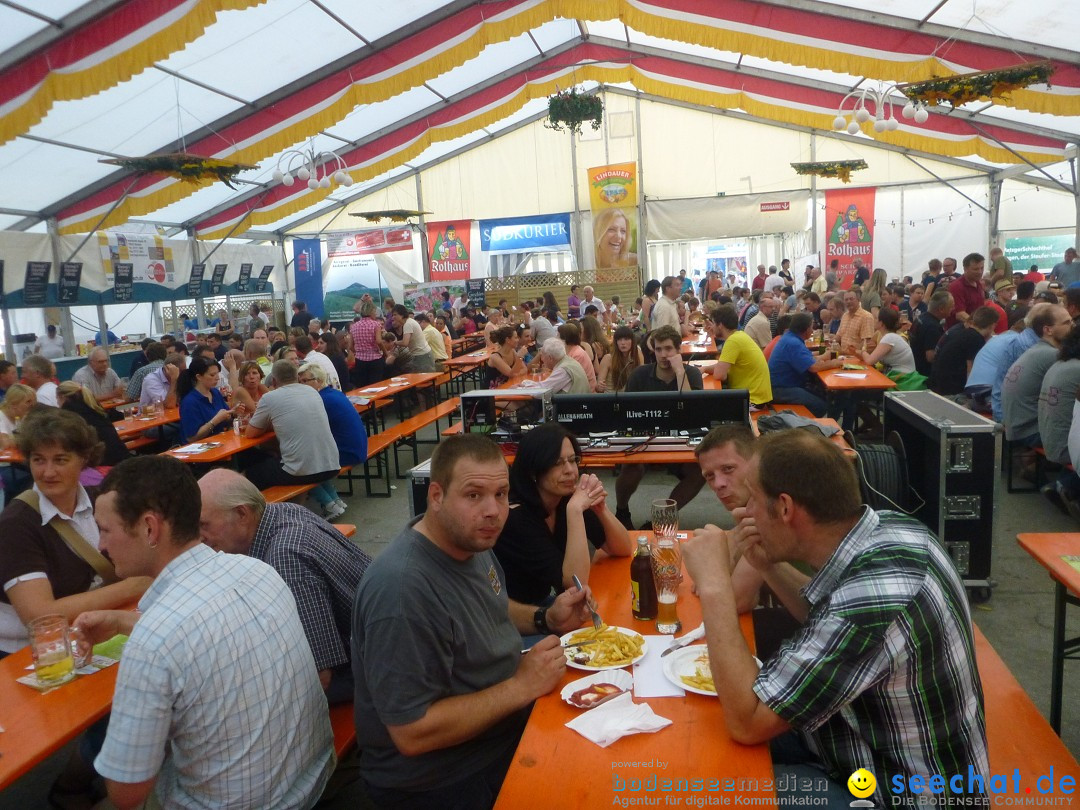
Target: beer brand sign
[(451, 254), (849, 216)]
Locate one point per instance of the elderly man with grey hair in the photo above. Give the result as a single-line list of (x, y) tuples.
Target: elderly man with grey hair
[(296, 414), (39, 373), (103, 382), (567, 376), (319, 564)]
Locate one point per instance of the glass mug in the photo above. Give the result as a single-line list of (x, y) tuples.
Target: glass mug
[(667, 564), (57, 650)]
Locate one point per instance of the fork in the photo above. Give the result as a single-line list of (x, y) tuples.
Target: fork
[(597, 622)]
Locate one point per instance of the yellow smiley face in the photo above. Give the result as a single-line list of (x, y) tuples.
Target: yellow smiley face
[(861, 783)]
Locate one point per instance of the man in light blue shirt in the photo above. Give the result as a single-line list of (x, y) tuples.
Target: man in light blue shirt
[(993, 361), (217, 700)]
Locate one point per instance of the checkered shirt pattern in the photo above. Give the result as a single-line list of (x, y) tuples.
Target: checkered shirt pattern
[(217, 694), (882, 675), (322, 569)]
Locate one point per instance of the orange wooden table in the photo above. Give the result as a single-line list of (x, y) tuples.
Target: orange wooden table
[(226, 445), (557, 767), (36, 724), (696, 348), (128, 428), (1049, 550), (396, 385), (873, 381), (11, 455)]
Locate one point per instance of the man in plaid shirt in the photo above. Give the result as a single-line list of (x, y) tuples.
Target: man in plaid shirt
[(882, 673)]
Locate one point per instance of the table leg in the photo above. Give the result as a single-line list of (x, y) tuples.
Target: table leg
[(1058, 663)]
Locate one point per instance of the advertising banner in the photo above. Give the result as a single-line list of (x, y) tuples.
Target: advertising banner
[(849, 216), (428, 297), (370, 240), (613, 197), (307, 269), (1045, 251), (348, 279), (150, 258), (525, 234), (451, 256)]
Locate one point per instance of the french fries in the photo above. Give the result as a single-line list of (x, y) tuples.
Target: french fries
[(612, 648), (702, 677)]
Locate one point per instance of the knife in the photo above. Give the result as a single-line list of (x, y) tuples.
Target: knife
[(597, 622), (693, 635)]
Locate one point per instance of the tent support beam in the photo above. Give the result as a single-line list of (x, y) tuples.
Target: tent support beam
[(425, 248), (1008, 148), (579, 221), (65, 312), (995, 211), (813, 197), (950, 185)]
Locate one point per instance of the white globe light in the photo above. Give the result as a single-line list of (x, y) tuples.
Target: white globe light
[(303, 174), (852, 128), (839, 122), (880, 125), (346, 181), (862, 115), (908, 111), (339, 177), (921, 115), (287, 180), (312, 183), (278, 176), (324, 183), (892, 124)]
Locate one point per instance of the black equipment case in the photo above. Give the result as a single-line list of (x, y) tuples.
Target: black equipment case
[(953, 458)]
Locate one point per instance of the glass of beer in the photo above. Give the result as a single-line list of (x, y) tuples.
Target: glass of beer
[(665, 518), (50, 646), (667, 573)]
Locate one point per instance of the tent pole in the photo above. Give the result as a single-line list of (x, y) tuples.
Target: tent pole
[(995, 211), (65, 312), (579, 222), (813, 199), (643, 242), (1076, 196), (103, 326), (424, 246)]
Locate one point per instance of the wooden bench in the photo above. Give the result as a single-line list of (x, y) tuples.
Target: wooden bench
[(140, 442), (286, 492), (402, 433), (798, 410), (1018, 736), (344, 728), (347, 529)]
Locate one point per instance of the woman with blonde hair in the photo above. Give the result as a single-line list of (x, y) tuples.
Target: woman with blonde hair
[(619, 362), (16, 404), (873, 291), (611, 232), (593, 336)]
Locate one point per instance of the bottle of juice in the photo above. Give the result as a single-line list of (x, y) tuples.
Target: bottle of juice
[(643, 596)]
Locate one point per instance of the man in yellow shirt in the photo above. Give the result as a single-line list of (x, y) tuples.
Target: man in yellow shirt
[(741, 363), (856, 325), (434, 339)]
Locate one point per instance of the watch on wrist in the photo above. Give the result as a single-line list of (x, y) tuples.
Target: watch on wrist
[(540, 621)]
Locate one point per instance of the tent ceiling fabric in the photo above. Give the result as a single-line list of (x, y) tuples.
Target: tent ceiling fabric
[(248, 79)]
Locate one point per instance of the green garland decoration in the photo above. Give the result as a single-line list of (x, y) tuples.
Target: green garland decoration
[(987, 85), (569, 109), (194, 169), (840, 169), (394, 215)]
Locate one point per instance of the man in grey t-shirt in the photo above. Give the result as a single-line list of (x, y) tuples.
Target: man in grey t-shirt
[(442, 689), (1023, 380), (1067, 271), (296, 414)]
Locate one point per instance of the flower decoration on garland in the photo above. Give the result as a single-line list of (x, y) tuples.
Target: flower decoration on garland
[(840, 169), (987, 85), (190, 168), (394, 215), (569, 109)]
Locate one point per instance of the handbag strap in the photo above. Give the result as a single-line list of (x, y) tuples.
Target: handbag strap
[(74, 541)]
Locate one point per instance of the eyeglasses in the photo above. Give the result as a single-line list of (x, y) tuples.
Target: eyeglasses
[(574, 460), (305, 379)]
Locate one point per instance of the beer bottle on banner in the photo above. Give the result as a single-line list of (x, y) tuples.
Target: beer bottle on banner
[(642, 587)]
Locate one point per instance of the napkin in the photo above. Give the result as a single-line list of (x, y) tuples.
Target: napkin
[(649, 677), (617, 718)]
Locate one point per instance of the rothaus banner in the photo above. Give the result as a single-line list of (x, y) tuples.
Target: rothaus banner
[(849, 216), (525, 234), (451, 255)]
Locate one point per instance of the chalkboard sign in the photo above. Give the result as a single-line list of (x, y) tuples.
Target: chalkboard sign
[(245, 274), (67, 285), (37, 282), (264, 276), (217, 278), (194, 285), (474, 291), (123, 277)]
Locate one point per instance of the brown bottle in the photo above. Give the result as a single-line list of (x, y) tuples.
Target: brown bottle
[(642, 586)]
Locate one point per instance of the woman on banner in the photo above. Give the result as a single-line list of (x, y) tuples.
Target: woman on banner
[(611, 229)]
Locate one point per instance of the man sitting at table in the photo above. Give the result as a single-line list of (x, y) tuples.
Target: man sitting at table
[(442, 689), (40, 374), (296, 414), (567, 376), (155, 358), (319, 564), (791, 364), (741, 363), (217, 703), (96, 375), (667, 374), (882, 673), (856, 325)]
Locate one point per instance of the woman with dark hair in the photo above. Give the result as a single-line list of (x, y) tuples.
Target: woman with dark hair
[(203, 411), (328, 345), (557, 518), (506, 360), (551, 303), (617, 364), (573, 302), (79, 400), (592, 334), (246, 385), (49, 558), (571, 336), (648, 300)]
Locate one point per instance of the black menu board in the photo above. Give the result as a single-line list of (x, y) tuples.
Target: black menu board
[(37, 282), (264, 276), (217, 278), (123, 278), (194, 285), (245, 275), (67, 285)]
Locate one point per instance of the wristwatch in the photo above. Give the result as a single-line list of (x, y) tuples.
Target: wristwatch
[(540, 621)]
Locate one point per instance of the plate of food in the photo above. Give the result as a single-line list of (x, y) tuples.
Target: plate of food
[(689, 668), (600, 687), (596, 650)]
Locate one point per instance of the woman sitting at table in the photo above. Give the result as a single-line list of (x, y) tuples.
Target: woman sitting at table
[(77, 398), (349, 432), (557, 518), (892, 350), (328, 344), (16, 404), (570, 333), (616, 366), (505, 361), (203, 411), (593, 336), (246, 384), (55, 567)]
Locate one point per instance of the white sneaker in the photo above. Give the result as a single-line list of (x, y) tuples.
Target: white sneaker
[(334, 510)]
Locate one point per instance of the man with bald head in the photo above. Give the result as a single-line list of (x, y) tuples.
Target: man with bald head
[(319, 564), (103, 382)]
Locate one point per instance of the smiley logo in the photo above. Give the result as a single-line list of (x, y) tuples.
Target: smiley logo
[(861, 783)]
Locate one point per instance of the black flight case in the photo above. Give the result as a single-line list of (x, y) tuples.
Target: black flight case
[(953, 458)]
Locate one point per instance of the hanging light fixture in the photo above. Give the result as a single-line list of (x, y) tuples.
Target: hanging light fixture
[(306, 167), (868, 102)]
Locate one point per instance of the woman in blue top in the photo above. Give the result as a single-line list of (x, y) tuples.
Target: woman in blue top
[(203, 411), (350, 435)]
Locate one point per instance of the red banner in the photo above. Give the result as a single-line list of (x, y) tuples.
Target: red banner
[(451, 255), (849, 216)]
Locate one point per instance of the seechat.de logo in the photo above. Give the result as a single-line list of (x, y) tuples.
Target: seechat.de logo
[(862, 784)]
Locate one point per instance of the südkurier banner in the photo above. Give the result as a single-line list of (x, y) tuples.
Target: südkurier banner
[(525, 234)]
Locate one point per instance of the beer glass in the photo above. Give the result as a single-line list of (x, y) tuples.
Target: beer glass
[(50, 646), (665, 519), (667, 570)]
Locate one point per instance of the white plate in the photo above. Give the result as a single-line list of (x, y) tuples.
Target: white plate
[(684, 662), (616, 677), (624, 630)]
